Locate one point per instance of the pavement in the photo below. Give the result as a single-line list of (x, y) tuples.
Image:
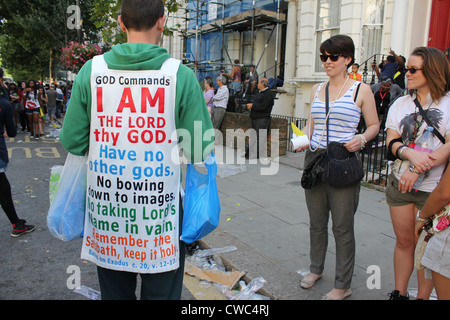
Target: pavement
[(263, 215), (266, 219)]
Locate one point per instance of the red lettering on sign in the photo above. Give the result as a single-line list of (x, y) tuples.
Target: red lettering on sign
[(147, 97), (99, 99), (126, 101)]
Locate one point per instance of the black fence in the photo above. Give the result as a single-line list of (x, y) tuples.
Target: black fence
[(373, 156)]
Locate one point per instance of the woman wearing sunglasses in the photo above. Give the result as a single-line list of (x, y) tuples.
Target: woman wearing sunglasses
[(415, 173), (347, 100)]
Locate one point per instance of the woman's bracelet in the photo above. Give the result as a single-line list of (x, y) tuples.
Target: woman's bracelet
[(412, 168), (418, 218), (363, 141), (400, 151)]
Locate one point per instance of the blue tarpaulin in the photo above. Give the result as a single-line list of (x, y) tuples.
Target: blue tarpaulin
[(209, 45)]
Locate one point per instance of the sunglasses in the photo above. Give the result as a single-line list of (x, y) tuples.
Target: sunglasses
[(333, 57), (412, 70)]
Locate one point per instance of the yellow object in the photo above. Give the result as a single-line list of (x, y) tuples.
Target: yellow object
[(296, 130)]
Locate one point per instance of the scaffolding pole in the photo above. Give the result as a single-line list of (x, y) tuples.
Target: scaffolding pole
[(200, 64)]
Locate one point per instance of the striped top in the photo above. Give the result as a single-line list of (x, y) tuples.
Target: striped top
[(343, 120)]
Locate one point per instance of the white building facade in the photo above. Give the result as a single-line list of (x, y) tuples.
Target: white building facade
[(376, 27)]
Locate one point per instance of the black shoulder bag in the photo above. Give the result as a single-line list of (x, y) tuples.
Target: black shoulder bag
[(342, 168)]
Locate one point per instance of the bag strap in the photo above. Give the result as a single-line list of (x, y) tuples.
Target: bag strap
[(357, 91), (424, 116), (327, 107)]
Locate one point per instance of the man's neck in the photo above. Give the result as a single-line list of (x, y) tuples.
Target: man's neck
[(149, 37)]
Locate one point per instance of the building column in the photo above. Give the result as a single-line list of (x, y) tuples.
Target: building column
[(291, 42), (399, 26)]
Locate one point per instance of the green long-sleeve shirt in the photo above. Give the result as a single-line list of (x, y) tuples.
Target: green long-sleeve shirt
[(190, 105)]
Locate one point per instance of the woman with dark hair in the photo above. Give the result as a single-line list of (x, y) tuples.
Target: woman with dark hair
[(22, 114), (43, 100), (236, 74), (14, 100), (32, 107), (428, 104), (348, 99), (208, 93)]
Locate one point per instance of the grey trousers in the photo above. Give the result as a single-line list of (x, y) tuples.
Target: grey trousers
[(342, 203), (217, 117)]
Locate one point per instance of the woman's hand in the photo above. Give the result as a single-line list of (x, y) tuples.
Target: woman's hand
[(422, 161), (418, 228), (302, 148), (354, 144), (407, 181)]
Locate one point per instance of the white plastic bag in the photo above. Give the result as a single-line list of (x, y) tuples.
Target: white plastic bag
[(65, 218)]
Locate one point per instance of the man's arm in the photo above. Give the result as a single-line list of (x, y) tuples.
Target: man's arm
[(196, 132), (220, 95), (74, 135), (8, 119)]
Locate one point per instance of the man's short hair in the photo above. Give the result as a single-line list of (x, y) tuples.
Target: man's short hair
[(265, 82), (390, 58), (221, 78), (141, 15), (1, 73)]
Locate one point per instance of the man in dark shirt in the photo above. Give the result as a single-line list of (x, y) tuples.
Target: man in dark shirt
[(6, 201), (382, 101), (260, 111)]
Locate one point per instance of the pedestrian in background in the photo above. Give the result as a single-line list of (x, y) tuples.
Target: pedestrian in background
[(21, 107), (220, 102), (59, 101), (32, 108), (52, 96), (260, 111), (43, 100), (7, 122), (208, 93)]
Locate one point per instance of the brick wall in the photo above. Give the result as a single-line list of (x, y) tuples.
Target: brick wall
[(240, 122)]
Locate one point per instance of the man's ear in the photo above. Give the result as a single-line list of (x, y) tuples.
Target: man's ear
[(122, 26), (160, 23)]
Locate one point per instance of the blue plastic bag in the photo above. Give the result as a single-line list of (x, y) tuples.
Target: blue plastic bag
[(201, 202), (65, 218)]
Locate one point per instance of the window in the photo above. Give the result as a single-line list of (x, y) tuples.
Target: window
[(328, 23), (372, 29)]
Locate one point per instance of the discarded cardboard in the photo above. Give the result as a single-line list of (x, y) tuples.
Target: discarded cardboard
[(228, 279)]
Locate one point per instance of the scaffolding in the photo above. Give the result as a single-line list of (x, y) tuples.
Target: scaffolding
[(208, 24)]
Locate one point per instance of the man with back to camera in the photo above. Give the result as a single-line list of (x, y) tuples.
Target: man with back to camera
[(129, 108)]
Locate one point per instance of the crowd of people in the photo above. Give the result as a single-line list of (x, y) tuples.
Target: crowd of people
[(36, 104), (260, 102)]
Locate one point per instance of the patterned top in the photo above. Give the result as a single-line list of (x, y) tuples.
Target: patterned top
[(343, 120)]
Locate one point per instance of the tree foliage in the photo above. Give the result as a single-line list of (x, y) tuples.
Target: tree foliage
[(32, 33)]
